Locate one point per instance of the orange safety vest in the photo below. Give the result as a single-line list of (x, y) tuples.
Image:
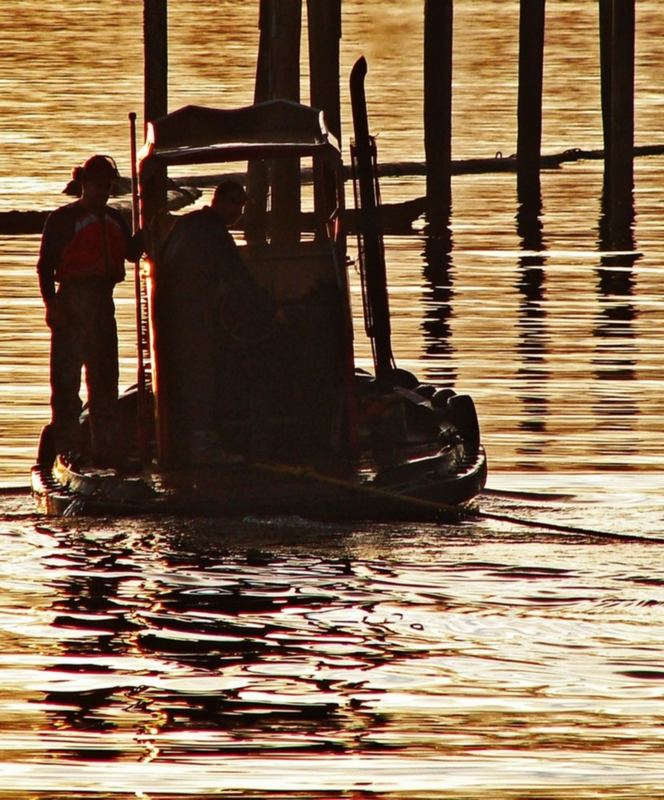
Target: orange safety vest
[(97, 249)]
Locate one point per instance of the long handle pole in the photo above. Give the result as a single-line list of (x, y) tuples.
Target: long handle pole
[(134, 172), (135, 225), (135, 219)]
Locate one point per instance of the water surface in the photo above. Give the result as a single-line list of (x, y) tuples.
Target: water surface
[(284, 658)]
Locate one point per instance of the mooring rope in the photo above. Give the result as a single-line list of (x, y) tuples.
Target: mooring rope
[(432, 506)]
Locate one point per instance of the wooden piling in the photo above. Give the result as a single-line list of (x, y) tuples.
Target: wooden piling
[(529, 112), (286, 25), (155, 99), (155, 39), (621, 178), (258, 180), (605, 50), (438, 23), (324, 30)]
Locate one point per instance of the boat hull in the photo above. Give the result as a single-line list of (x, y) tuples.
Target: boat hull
[(249, 400), (261, 489)]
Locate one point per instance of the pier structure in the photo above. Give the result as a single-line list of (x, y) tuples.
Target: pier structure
[(277, 75)]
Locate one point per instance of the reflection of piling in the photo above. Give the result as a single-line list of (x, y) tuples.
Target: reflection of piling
[(532, 372), (438, 299), (324, 28), (438, 23), (531, 65), (616, 355)]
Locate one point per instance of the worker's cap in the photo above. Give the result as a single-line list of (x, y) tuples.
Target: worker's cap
[(99, 166)]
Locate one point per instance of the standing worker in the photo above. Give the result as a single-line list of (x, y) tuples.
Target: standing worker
[(83, 249)]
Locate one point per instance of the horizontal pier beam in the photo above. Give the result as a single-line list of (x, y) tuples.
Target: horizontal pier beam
[(31, 222)]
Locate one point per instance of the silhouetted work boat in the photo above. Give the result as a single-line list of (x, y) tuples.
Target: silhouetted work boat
[(315, 435)]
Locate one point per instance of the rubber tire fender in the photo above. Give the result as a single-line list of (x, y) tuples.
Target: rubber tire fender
[(464, 416), (441, 396), (425, 390), (403, 378)]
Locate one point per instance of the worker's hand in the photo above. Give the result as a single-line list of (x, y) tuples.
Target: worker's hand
[(55, 314)]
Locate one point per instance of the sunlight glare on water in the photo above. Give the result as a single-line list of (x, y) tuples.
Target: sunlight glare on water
[(380, 660)]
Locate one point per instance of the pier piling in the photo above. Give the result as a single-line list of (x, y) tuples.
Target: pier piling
[(155, 100), (285, 21), (529, 112), (155, 33), (258, 180), (621, 165), (324, 29), (438, 23), (605, 50)]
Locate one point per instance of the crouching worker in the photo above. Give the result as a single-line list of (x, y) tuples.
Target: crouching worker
[(83, 250), (200, 269)]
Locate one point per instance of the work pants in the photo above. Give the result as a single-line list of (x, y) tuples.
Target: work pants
[(87, 338)]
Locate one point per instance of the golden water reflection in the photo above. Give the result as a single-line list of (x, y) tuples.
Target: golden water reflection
[(156, 659), (173, 660)]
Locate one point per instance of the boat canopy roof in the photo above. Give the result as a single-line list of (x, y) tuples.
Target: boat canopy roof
[(201, 135)]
